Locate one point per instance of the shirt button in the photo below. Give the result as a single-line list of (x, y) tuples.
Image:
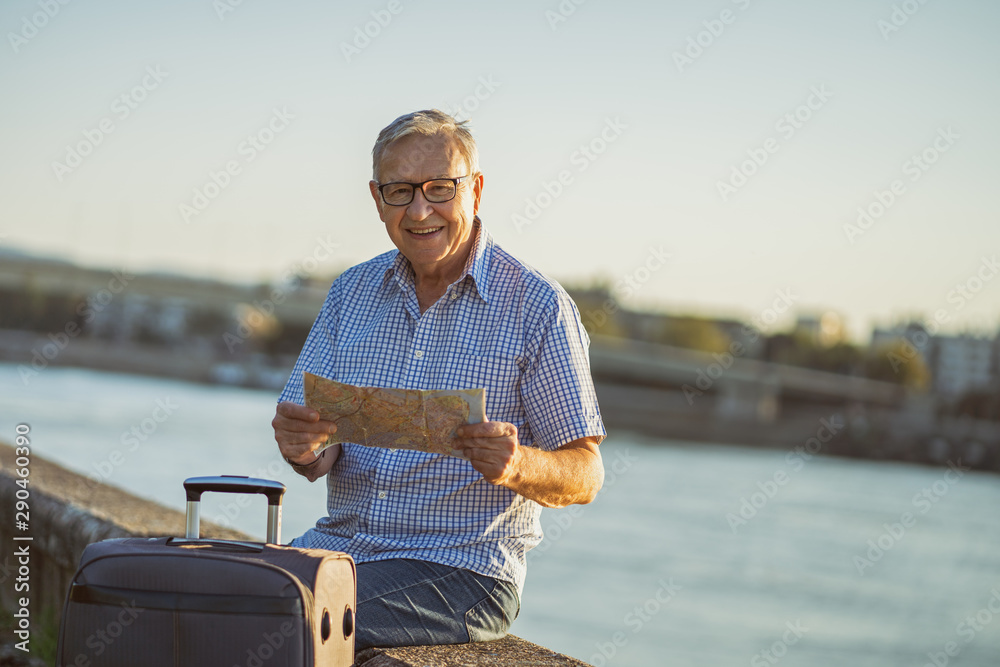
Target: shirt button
[(419, 354), (381, 494), (393, 450), (454, 295)]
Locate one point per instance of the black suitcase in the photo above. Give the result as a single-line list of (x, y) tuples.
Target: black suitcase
[(186, 602)]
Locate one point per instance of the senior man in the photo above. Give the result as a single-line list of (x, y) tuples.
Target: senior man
[(440, 541)]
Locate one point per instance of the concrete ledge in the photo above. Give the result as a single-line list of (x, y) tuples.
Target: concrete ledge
[(510, 650)]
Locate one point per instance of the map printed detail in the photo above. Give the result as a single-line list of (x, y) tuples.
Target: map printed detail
[(395, 418)]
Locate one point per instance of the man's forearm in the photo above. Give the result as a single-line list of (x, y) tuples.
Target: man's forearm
[(572, 474)]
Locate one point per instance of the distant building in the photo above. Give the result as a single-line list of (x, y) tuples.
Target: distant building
[(961, 364), (957, 364), (825, 330), (912, 332)]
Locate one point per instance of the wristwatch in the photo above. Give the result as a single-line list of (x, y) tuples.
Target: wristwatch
[(303, 466)]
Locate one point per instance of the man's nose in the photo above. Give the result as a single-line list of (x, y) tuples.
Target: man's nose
[(419, 208)]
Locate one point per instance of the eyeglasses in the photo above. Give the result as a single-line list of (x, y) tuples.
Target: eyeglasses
[(436, 190)]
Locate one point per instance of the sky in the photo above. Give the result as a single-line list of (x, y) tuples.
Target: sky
[(713, 158)]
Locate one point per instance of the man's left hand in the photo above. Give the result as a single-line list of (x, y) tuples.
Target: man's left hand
[(492, 449)]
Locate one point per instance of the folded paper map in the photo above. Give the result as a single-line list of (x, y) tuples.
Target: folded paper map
[(424, 420)]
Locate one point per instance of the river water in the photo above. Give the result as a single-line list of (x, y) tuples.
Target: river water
[(841, 563)]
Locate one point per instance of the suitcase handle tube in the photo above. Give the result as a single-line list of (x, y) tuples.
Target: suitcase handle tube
[(195, 486)]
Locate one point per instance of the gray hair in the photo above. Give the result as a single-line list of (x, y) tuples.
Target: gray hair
[(428, 123)]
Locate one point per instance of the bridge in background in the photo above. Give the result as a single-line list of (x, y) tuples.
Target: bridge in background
[(743, 387)]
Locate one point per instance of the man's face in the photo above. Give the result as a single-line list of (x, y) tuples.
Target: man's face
[(436, 238)]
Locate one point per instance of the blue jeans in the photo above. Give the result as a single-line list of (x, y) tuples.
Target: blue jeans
[(406, 602)]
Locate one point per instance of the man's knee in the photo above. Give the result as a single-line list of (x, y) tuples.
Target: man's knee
[(491, 618)]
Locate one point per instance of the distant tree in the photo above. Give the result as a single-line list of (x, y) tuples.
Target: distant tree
[(839, 358), (600, 311), (600, 320), (694, 333), (800, 349), (899, 362)]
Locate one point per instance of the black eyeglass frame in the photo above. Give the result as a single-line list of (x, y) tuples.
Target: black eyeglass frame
[(413, 192)]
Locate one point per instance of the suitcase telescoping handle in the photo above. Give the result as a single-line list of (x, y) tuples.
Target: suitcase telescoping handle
[(195, 486)]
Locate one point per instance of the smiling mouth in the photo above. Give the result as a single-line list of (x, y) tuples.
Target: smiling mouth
[(425, 231)]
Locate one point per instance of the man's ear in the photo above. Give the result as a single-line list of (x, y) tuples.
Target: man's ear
[(477, 191), (373, 186)]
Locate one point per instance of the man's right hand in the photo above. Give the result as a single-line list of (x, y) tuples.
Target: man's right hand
[(299, 432)]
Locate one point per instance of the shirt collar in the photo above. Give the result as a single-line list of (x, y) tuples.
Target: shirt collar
[(476, 266)]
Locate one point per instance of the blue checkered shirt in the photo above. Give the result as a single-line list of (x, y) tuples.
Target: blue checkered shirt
[(502, 326)]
